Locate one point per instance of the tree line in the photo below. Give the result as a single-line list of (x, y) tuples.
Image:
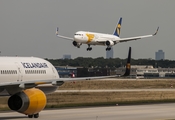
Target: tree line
[(110, 63)]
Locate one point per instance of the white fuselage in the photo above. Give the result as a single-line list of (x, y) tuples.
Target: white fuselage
[(14, 69), (93, 38)]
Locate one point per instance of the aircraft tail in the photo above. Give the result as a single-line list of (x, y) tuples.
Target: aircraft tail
[(128, 64), (118, 28)]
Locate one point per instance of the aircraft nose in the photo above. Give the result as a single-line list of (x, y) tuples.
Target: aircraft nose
[(76, 37)]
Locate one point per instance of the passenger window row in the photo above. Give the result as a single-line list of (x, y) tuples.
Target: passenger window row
[(8, 71), (35, 71)]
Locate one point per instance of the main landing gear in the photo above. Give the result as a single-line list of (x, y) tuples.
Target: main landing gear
[(34, 115), (89, 48), (108, 49)]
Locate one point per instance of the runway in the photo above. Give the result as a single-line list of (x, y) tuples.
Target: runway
[(134, 112)]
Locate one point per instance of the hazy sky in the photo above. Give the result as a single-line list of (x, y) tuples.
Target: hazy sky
[(27, 28)]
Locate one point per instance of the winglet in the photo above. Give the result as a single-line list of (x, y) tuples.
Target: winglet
[(57, 29), (118, 28), (156, 31), (128, 64)]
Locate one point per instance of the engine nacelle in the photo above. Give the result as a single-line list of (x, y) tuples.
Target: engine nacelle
[(109, 43), (29, 102), (76, 44)]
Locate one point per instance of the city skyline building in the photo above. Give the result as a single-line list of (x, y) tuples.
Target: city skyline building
[(110, 53), (66, 56), (160, 55)]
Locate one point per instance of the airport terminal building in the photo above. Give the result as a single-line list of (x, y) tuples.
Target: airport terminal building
[(145, 71), (137, 71)]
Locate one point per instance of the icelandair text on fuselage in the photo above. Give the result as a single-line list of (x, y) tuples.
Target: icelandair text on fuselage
[(34, 65)]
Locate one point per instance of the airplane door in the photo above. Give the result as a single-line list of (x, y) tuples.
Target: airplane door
[(54, 74), (19, 72)]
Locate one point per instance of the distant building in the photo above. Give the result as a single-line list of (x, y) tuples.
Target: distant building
[(109, 54), (160, 55), (147, 71), (92, 72), (66, 56), (66, 71)]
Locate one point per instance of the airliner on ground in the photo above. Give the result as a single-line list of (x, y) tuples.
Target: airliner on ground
[(92, 38), (28, 79)]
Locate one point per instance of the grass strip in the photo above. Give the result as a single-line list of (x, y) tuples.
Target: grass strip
[(77, 99)]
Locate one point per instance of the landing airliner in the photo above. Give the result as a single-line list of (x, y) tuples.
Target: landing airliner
[(28, 79), (92, 38)]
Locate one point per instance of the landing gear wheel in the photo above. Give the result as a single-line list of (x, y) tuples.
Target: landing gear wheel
[(108, 49), (36, 115), (89, 49), (30, 116)]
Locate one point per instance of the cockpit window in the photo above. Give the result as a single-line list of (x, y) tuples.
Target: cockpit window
[(78, 34)]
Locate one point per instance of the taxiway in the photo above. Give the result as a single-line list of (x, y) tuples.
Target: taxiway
[(132, 112)]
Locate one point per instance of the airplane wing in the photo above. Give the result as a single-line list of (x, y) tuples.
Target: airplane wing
[(60, 81), (57, 82), (64, 37), (136, 38), (118, 40)]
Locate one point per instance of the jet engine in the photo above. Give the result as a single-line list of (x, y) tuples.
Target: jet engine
[(76, 44), (29, 102), (109, 43)]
